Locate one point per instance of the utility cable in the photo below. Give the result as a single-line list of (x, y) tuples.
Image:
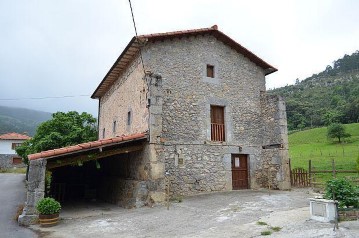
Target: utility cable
[(134, 25), (41, 98)]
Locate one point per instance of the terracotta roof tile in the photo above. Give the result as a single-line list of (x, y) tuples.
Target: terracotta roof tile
[(117, 139), (85, 146), (14, 136)]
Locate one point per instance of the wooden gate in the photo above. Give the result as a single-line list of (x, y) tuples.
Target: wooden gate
[(299, 177)]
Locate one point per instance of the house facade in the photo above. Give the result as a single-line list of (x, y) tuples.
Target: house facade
[(180, 113), (8, 144), (203, 100)]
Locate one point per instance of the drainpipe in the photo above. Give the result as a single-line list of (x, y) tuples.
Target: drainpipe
[(98, 119)]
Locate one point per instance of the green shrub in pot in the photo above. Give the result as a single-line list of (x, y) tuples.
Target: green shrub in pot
[(48, 206)]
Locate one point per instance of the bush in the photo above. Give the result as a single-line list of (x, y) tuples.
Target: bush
[(48, 206), (345, 192)]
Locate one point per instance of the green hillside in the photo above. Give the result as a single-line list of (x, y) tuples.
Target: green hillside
[(313, 145), (329, 96), (21, 120)]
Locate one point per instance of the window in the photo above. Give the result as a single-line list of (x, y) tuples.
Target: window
[(210, 71), (14, 145), (217, 123), (114, 127), (16, 160), (103, 133), (129, 118)]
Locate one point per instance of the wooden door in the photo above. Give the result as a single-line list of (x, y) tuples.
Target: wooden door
[(239, 172)]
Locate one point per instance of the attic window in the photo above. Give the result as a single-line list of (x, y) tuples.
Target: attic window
[(210, 71)]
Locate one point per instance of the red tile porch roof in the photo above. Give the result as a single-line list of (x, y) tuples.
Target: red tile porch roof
[(133, 47), (14, 136), (86, 146)]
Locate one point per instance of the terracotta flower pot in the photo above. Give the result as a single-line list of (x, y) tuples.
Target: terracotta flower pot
[(48, 220)]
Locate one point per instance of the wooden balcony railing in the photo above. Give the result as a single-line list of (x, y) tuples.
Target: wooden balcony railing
[(217, 132)]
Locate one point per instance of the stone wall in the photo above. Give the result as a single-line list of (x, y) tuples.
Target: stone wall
[(35, 191), (6, 161), (197, 168), (348, 214), (188, 93), (132, 180), (126, 193), (182, 118), (127, 94), (274, 168)]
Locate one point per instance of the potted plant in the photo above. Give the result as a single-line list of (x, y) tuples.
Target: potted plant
[(48, 209)]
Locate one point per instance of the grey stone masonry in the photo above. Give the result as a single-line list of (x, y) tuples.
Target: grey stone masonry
[(35, 191), (6, 161), (252, 121)]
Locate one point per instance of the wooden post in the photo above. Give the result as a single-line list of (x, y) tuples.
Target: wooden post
[(333, 168), (290, 173), (310, 172)]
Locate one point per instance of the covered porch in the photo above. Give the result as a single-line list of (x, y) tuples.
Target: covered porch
[(118, 171)]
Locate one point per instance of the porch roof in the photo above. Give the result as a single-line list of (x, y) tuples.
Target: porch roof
[(87, 146)]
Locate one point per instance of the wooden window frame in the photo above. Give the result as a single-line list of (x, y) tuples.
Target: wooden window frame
[(15, 145), (210, 71), (218, 128)]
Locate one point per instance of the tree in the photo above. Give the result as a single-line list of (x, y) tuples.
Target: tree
[(337, 130), (64, 129)]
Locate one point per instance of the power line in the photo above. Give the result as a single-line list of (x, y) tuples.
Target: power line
[(41, 98), (134, 25)]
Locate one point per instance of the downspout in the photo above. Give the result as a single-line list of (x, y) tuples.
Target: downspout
[(98, 118)]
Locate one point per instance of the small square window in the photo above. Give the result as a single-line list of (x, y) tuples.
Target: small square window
[(210, 71)]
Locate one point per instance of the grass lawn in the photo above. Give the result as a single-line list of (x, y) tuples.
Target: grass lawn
[(313, 145), (13, 170)]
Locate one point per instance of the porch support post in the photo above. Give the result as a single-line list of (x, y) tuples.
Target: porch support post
[(35, 191)]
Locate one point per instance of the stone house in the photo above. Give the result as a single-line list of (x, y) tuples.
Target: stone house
[(186, 108), (8, 144)]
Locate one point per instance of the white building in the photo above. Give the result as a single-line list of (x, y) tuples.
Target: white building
[(8, 144)]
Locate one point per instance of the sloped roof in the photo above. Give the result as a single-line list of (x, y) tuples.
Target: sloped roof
[(14, 136), (86, 146), (133, 47)]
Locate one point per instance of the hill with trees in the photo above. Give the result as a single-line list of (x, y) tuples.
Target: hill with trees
[(324, 98), (21, 120)]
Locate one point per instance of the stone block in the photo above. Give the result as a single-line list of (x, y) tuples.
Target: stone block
[(157, 196), (157, 170), (27, 220)]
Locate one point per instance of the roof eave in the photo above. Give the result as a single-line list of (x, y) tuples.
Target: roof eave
[(95, 94)]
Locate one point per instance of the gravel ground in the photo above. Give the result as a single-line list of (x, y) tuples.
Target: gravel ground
[(227, 214)]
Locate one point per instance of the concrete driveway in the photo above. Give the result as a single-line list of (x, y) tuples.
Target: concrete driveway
[(12, 194), (228, 214)]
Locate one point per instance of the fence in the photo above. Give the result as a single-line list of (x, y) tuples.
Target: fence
[(300, 177)]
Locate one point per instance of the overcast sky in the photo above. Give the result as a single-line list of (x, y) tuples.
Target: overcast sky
[(52, 48)]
